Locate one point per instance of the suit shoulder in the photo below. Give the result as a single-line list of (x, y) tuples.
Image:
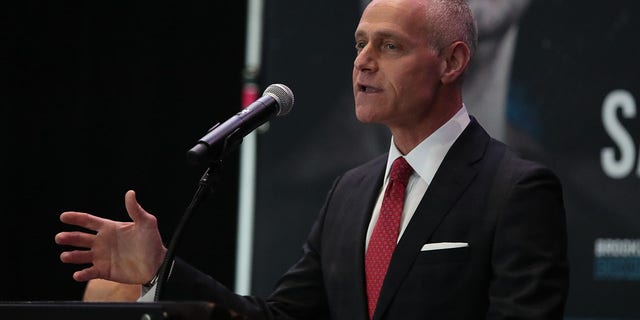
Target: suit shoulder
[(373, 165), (512, 164)]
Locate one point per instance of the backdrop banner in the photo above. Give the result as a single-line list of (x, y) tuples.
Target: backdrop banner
[(559, 81)]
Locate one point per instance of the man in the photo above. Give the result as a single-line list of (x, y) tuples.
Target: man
[(480, 232)]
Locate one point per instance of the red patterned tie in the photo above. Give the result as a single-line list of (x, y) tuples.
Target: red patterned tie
[(385, 233)]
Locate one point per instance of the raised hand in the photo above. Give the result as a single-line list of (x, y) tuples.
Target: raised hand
[(127, 252)]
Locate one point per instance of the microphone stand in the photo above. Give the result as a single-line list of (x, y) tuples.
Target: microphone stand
[(206, 185)]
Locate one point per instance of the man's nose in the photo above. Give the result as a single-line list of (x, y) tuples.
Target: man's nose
[(365, 60)]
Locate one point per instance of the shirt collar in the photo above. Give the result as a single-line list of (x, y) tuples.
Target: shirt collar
[(427, 156)]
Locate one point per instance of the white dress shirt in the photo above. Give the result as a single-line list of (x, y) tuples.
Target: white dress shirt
[(425, 159)]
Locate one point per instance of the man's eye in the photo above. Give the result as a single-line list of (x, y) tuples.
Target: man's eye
[(390, 46), (360, 45)]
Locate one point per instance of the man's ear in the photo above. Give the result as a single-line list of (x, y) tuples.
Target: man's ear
[(455, 61)]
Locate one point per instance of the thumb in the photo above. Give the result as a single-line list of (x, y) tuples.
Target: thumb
[(135, 211)]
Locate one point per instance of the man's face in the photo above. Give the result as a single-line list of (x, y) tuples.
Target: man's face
[(396, 74)]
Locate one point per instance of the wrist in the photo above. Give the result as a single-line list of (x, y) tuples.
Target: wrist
[(152, 282), (156, 277), (160, 260)]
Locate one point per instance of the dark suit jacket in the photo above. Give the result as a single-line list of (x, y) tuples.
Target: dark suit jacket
[(510, 211)]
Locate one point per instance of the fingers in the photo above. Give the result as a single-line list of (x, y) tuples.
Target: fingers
[(134, 209), (86, 274), (77, 256), (81, 257), (82, 219), (76, 239)]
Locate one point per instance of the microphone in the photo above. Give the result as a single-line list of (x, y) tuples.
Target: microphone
[(277, 100)]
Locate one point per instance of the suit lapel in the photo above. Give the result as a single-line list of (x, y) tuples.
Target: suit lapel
[(452, 178), (366, 190)]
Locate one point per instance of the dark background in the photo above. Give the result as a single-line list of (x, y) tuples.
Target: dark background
[(102, 97)]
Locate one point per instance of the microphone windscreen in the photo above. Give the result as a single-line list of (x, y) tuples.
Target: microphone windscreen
[(283, 95)]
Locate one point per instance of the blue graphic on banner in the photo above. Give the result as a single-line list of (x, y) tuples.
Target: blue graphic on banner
[(617, 268), (616, 259)]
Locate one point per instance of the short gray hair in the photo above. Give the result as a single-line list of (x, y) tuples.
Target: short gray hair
[(450, 21)]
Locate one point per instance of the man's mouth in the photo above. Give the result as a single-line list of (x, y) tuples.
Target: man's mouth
[(367, 89)]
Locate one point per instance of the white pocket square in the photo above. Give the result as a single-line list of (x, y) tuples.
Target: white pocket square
[(443, 245)]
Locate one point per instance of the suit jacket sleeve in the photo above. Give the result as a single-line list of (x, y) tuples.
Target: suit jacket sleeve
[(299, 293)]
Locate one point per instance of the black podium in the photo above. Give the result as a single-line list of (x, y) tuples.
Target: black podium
[(76, 310)]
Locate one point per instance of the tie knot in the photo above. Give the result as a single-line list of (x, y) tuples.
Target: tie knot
[(400, 171)]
